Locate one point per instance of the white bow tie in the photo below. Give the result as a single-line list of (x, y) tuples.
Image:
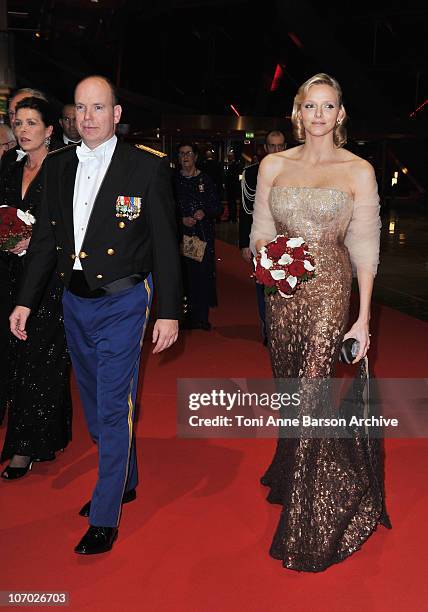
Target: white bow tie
[(85, 155), (20, 154)]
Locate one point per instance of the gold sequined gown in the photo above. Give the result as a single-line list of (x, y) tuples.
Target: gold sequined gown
[(331, 490)]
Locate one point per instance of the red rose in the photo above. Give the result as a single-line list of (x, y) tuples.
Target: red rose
[(298, 253), (296, 268), (284, 286), (264, 277), (12, 229), (276, 249)]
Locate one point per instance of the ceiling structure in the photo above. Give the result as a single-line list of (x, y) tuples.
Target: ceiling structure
[(202, 56)]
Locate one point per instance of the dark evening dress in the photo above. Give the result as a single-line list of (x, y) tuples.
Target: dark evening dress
[(38, 390), (192, 194), (331, 488)]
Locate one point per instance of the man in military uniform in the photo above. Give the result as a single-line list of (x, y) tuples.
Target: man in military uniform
[(274, 143), (108, 224)]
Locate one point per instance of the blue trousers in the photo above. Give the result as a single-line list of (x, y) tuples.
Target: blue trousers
[(104, 337)]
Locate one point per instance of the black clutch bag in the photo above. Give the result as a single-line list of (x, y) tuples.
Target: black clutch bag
[(349, 350)]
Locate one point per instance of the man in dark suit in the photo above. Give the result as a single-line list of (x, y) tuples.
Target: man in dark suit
[(274, 143), (70, 134), (108, 224)]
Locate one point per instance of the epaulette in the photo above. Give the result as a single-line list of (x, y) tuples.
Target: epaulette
[(150, 150), (61, 149)]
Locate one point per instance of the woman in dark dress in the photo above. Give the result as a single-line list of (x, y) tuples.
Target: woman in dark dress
[(199, 206), (38, 393)]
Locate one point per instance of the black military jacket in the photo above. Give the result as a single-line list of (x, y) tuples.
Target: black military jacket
[(120, 239)]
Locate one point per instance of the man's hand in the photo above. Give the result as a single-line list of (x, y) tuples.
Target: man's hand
[(246, 254), (18, 319), (189, 221), (165, 333)]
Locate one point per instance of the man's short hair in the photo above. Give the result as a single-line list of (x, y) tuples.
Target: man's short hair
[(32, 93), (274, 133), (111, 85), (67, 104)]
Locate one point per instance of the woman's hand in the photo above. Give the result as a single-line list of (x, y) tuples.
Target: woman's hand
[(21, 246), (189, 221), (199, 215), (360, 331), (260, 244)]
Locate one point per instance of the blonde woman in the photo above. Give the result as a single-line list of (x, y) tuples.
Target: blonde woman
[(331, 489)]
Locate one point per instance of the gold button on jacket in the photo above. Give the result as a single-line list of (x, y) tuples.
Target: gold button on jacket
[(99, 275), (110, 251), (82, 255), (121, 224)]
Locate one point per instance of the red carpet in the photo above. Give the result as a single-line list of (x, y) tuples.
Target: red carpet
[(197, 538)]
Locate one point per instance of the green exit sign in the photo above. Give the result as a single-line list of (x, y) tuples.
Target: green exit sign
[(249, 134)]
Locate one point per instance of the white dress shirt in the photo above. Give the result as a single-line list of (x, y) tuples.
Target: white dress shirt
[(93, 164), (67, 140)]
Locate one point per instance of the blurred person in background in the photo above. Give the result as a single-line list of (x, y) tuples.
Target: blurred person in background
[(70, 135), (274, 143), (199, 205), (7, 139), (232, 183)]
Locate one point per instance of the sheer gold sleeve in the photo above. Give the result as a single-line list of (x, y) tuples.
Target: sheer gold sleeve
[(363, 235), (263, 227)]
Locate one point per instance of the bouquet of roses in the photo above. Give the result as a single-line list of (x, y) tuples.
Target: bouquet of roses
[(15, 225), (283, 265)]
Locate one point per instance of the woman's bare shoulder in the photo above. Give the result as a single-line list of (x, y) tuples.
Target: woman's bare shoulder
[(355, 161), (275, 162)]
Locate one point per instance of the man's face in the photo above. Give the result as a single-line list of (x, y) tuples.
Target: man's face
[(96, 117), (68, 122), (275, 144), (12, 107)]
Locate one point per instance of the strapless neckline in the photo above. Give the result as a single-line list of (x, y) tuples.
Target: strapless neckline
[(345, 193)]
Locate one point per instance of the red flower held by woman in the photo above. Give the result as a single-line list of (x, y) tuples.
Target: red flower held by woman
[(296, 268), (283, 265)]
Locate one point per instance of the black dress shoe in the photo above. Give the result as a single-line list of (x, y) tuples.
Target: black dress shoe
[(13, 473), (128, 496), (96, 540)]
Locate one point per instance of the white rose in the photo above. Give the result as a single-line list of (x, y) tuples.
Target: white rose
[(25, 216), (277, 274), (286, 295), (265, 262), (295, 242), (285, 260), (308, 266), (292, 281)]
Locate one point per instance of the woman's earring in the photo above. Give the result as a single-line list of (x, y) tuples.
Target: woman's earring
[(338, 121), (47, 141)]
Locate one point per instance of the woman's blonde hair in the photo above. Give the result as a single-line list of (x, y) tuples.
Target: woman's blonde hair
[(339, 134)]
